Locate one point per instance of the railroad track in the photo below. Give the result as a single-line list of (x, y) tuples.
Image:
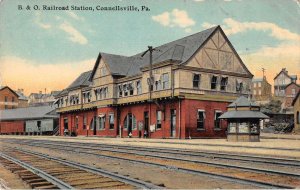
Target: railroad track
[(208, 172), (228, 156), (63, 174)]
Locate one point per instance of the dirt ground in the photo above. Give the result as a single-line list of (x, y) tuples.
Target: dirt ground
[(9, 180), (197, 144)]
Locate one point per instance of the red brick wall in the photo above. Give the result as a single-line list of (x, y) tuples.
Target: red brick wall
[(189, 111), (6, 92), (187, 126), (288, 94), (9, 127)]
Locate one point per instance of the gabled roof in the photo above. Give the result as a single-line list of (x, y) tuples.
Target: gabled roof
[(291, 84), (3, 87), (28, 113), (82, 80), (242, 102), (286, 74), (181, 50)]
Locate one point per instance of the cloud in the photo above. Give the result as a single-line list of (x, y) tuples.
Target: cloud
[(74, 35), (199, 0), (38, 21), (33, 76), (232, 26), (188, 30), (163, 19), (178, 18), (74, 16)]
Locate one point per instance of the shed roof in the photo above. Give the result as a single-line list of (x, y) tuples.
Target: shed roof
[(242, 101), (28, 113), (243, 114)]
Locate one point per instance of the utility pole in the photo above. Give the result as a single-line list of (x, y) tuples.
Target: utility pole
[(263, 70)]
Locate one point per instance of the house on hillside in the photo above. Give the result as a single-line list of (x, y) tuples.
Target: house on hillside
[(181, 94)]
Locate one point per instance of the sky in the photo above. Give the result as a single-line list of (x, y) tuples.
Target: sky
[(47, 49)]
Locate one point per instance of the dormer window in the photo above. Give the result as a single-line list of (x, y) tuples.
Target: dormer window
[(239, 86), (165, 81), (120, 89)]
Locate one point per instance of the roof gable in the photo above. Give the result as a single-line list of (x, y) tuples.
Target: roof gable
[(6, 87), (82, 80)]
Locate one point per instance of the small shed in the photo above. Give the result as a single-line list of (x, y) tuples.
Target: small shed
[(243, 117)]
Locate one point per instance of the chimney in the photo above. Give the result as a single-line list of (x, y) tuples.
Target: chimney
[(40, 92)]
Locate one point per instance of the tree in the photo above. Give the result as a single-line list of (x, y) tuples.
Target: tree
[(274, 106)]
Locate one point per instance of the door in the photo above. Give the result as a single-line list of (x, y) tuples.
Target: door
[(65, 123), (173, 123), (146, 124), (95, 125), (129, 123)]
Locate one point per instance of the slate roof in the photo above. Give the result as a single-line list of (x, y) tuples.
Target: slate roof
[(242, 102), (180, 50), (27, 113), (82, 80), (243, 114), (21, 96)]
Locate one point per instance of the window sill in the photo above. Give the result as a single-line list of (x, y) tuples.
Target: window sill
[(200, 130), (217, 129)]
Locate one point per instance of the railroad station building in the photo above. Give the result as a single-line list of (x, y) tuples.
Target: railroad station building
[(181, 94)]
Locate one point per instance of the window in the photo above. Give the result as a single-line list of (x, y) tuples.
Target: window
[(298, 117), (200, 119), (130, 88), (130, 122), (254, 92), (259, 84), (158, 119), (214, 81), (111, 121), (259, 92), (139, 87), (254, 85), (13, 99), (239, 86), (196, 81), (158, 85), (224, 81), (165, 80), (101, 122), (76, 122), (217, 120), (125, 89), (84, 121), (293, 92), (5, 98), (120, 89)]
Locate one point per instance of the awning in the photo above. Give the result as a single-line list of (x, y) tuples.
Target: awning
[(243, 114)]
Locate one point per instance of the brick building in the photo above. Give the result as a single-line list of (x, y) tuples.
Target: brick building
[(189, 85), (8, 98), (291, 91), (296, 105), (261, 89)]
